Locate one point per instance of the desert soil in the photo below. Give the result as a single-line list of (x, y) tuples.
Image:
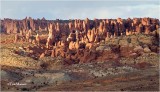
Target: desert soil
[(95, 76)]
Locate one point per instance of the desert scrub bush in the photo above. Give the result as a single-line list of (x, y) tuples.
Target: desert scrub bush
[(50, 62), (113, 41), (127, 61), (146, 39), (151, 58), (9, 58)]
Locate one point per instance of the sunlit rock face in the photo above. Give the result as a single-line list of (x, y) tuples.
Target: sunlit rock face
[(114, 26), (84, 40)]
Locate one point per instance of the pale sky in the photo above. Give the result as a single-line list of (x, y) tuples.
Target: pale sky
[(81, 9)]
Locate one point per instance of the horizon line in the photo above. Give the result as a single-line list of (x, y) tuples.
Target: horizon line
[(74, 18)]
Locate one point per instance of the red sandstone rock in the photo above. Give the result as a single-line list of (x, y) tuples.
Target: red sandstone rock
[(78, 40), (42, 55), (16, 38), (38, 39)]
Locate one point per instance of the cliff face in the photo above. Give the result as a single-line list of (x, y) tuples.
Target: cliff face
[(114, 26), (15, 26)]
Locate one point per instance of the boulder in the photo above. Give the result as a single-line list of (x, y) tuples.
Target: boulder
[(72, 45), (42, 55), (146, 50), (139, 50), (133, 55)]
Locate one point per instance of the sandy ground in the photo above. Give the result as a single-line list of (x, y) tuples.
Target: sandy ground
[(79, 79)]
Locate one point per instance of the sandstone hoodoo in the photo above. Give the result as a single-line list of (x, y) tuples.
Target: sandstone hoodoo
[(55, 54), (72, 45), (86, 40)]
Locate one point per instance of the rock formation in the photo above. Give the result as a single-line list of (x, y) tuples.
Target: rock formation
[(84, 40)]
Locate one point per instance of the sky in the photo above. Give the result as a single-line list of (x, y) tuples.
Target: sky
[(79, 9)]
